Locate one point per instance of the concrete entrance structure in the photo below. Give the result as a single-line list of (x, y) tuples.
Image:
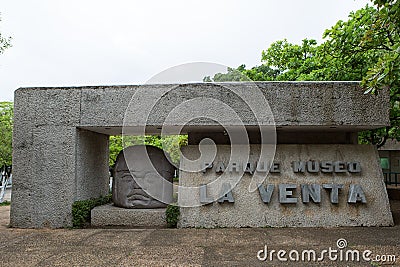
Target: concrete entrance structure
[(60, 151)]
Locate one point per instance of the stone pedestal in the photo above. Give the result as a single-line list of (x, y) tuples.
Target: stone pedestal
[(109, 215)]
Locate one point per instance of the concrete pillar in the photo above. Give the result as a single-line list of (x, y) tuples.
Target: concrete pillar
[(44, 152)]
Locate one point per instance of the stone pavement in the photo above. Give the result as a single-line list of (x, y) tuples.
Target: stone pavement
[(186, 247), (7, 195)]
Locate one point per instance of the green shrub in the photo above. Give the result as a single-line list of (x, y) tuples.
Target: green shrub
[(81, 210), (172, 215), (5, 203)]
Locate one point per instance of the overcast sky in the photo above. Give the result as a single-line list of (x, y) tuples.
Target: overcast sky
[(95, 42)]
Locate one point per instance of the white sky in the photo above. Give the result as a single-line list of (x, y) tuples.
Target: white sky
[(96, 42)]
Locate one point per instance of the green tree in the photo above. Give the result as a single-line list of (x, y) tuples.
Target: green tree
[(171, 144), (6, 125), (370, 41), (232, 75), (5, 42), (241, 74), (261, 73), (341, 50), (115, 146), (364, 48), (293, 62)]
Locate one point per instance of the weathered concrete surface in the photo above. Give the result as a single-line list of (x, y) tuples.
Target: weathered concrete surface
[(44, 175), (54, 162), (109, 215), (91, 152), (248, 210), (185, 247), (340, 104)]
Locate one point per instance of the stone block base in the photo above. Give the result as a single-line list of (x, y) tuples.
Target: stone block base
[(109, 215)]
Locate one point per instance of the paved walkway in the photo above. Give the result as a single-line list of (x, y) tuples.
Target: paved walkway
[(7, 195), (187, 247)]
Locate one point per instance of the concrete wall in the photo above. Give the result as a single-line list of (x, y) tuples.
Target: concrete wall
[(248, 210)]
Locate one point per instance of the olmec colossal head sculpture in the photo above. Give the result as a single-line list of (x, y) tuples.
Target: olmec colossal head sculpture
[(142, 178)]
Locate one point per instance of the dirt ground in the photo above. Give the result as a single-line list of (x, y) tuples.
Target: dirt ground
[(193, 247)]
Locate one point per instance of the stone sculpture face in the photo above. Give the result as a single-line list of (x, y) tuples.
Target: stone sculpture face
[(136, 175)]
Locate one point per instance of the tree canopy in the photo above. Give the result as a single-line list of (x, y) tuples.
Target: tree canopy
[(5, 42), (6, 122), (6, 117), (171, 144), (364, 48)]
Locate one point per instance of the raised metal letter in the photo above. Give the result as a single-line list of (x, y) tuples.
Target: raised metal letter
[(206, 165), (313, 190), (299, 166), (356, 194), (249, 167), (340, 166), (262, 166), (285, 193), (354, 167), (334, 191), (266, 192), (312, 166), (233, 165), (203, 195), (220, 167), (227, 194), (275, 168), (326, 166)]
